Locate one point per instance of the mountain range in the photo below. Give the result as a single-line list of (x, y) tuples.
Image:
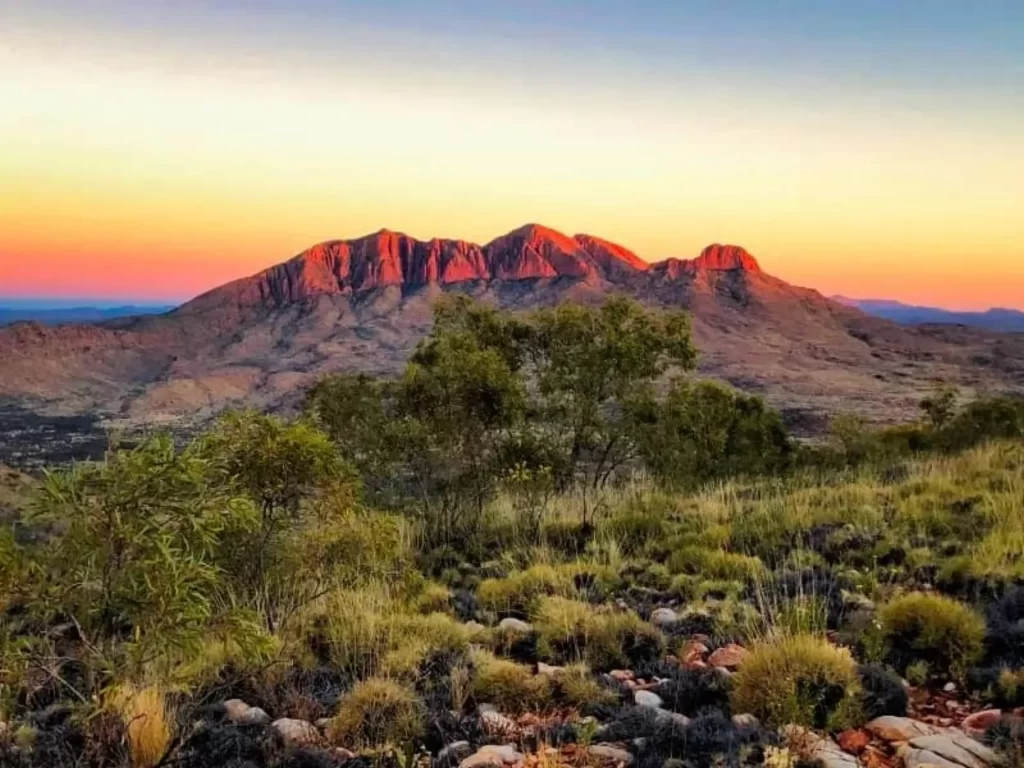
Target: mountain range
[(362, 305), (83, 314), (995, 319)]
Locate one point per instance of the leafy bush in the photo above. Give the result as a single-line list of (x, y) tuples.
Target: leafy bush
[(927, 628), (377, 713), (509, 686), (570, 630), (799, 680)]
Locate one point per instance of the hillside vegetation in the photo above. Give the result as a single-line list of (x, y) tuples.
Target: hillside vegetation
[(523, 551)]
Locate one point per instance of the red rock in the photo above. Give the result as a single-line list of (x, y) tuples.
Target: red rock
[(729, 656), (693, 651), (622, 675), (853, 741), (979, 722)]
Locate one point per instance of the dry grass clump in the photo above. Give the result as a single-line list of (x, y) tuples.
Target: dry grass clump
[(932, 629), (799, 679), (509, 686), (377, 713), (148, 723)]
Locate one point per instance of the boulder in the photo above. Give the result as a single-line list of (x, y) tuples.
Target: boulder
[(515, 626), (296, 732), (453, 753), (979, 722), (648, 699), (958, 748), (609, 753), (664, 617), (853, 741), (235, 709), (494, 756), (728, 656), (253, 716), (820, 750), (893, 728)]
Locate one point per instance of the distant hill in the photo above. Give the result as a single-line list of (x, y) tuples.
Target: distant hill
[(995, 319), (363, 304), (59, 316)]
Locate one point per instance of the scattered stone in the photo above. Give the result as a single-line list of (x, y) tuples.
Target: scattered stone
[(949, 687), (610, 753), (664, 617), (296, 732), (235, 709), (853, 741), (892, 728), (323, 724), (343, 754), (693, 652), (668, 716), (648, 699), (454, 753), (979, 722), (253, 716), (818, 749), (496, 724), (516, 626), (622, 675), (746, 720), (494, 756), (728, 657)]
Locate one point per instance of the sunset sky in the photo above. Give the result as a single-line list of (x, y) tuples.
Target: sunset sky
[(875, 148)]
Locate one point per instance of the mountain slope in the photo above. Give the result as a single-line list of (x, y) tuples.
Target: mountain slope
[(84, 314), (363, 304)]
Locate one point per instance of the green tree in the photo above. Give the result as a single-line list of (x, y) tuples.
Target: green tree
[(940, 406), (593, 366), (299, 485), (706, 431)]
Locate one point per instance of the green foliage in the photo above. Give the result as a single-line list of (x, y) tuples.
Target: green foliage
[(570, 631), (716, 564), (801, 680), (940, 406), (706, 431), (510, 687), (519, 592), (377, 713), (136, 560), (577, 687), (936, 630)]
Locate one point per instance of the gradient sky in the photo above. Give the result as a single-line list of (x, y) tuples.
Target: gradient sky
[(152, 150)]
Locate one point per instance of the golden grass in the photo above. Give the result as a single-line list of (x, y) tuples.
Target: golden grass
[(149, 723)]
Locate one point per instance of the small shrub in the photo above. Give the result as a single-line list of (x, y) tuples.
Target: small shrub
[(577, 687), (716, 564), (570, 630), (691, 691), (433, 598), (509, 686), (148, 723), (799, 680), (377, 713), (882, 692), (519, 592), (939, 631)]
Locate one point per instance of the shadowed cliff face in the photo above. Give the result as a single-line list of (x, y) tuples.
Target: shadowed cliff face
[(363, 304)]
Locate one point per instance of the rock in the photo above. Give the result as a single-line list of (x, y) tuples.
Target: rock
[(892, 728), (343, 754), (667, 716), (611, 754), (296, 732), (485, 707), (493, 756), (693, 653), (664, 617), (911, 757), (622, 675), (818, 749), (515, 626), (496, 724), (853, 741), (648, 699), (253, 716), (958, 748), (949, 687), (454, 753), (746, 721), (323, 724), (979, 722), (728, 657), (235, 709), (547, 669)]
